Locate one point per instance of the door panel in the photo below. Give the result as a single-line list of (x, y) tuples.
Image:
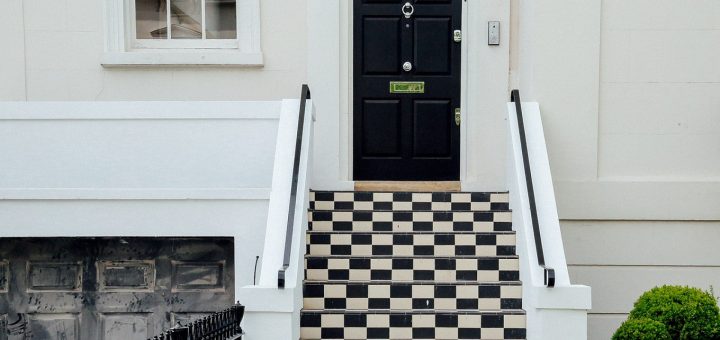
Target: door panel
[(410, 135), (54, 276), (381, 121), (433, 53), (118, 276), (431, 117), (387, 31), (382, 1), (125, 326), (55, 326), (433, 1)]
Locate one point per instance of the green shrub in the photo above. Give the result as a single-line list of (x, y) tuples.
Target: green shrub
[(642, 329), (683, 310), (696, 331)]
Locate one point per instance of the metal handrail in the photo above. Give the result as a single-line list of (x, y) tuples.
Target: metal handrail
[(304, 96), (549, 273)]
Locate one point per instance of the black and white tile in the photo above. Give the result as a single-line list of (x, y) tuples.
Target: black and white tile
[(410, 244), (408, 221), (351, 325), (400, 266), (408, 201), (444, 269), (411, 296)]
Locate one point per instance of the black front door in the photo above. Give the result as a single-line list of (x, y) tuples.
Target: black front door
[(406, 90)]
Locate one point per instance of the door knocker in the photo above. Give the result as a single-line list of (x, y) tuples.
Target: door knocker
[(408, 10)]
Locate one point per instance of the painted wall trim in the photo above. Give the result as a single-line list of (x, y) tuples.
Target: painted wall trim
[(573, 297), (323, 74), (639, 200), (235, 59), (268, 299), (155, 110), (135, 194)]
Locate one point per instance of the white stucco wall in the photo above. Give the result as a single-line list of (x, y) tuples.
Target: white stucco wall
[(147, 169), (630, 97), (52, 51), (629, 91)]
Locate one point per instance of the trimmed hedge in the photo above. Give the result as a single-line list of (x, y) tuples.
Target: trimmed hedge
[(642, 329), (686, 314)]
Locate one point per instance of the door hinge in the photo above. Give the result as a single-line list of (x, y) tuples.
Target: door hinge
[(457, 35), (457, 117)]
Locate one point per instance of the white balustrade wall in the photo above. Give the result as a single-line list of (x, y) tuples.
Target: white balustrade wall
[(552, 313), (120, 169)]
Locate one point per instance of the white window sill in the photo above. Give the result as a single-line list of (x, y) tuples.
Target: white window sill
[(231, 59)]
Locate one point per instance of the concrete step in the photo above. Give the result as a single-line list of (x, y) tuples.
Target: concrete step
[(406, 325), (407, 221), (412, 295), (412, 268), (410, 244), (394, 201)]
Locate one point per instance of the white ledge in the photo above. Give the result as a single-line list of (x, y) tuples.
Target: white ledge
[(657, 199), (141, 110), (135, 194), (577, 297), (267, 299), (194, 58)]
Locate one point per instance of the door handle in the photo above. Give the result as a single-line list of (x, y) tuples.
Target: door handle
[(457, 117), (407, 66)]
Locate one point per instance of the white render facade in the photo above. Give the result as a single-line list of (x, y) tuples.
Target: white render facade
[(629, 93)]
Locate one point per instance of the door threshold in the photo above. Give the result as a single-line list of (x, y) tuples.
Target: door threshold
[(414, 186)]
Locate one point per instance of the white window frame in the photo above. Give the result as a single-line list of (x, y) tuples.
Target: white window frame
[(123, 49)]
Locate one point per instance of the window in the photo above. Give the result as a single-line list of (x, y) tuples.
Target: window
[(195, 32), (193, 24)]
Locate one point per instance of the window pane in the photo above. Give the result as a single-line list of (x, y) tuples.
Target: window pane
[(220, 19), (186, 18), (151, 19)]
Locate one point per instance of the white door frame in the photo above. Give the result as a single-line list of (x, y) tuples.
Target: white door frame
[(330, 70)]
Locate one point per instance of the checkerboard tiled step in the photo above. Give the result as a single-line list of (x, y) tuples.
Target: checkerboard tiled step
[(412, 295), (410, 244), (407, 221), (401, 266), (406, 325), (420, 268), (393, 201)]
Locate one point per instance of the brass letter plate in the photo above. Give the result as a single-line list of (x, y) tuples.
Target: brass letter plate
[(407, 87)]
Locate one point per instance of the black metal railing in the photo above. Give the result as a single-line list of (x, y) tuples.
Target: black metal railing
[(224, 325), (549, 273), (304, 96)]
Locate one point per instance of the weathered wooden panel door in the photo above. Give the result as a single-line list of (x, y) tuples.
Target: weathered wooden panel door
[(406, 89), (110, 288)]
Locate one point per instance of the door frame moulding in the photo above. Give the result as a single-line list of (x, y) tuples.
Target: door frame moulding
[(484, 94), (346, 90)]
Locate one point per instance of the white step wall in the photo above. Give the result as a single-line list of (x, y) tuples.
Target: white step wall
[(139, 169)]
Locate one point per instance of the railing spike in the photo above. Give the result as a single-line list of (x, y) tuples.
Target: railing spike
[(217, 326)]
